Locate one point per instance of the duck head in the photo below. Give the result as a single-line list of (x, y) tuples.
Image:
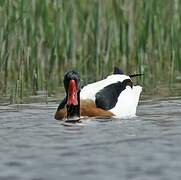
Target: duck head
[(72, 85)]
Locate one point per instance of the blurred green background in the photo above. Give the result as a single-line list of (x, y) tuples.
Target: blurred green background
[(41, 39)]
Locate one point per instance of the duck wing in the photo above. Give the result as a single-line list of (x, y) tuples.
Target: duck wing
[(107, 97)]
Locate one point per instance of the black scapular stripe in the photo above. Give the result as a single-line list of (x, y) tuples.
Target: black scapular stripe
[(108, 96)]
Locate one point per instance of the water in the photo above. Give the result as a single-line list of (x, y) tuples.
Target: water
[(34, 146)]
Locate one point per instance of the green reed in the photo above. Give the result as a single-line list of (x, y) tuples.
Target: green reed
[(41, 39)]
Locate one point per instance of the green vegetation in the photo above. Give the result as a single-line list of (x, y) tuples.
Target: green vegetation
[(41, 39)]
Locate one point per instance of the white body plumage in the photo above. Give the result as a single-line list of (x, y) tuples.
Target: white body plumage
[(127, 100)]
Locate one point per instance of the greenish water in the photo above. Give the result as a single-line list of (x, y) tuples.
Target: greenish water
[(34, 146)]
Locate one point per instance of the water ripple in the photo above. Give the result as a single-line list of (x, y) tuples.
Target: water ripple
[(35, 146)]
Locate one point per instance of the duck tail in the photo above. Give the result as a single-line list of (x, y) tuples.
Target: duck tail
[(134, 75)]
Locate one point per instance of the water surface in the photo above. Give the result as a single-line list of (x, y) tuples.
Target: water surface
[(34, 146)]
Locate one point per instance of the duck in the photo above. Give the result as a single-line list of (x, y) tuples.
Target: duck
[(114, 96)]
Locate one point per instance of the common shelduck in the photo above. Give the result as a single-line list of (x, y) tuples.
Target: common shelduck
[(114, 96)]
